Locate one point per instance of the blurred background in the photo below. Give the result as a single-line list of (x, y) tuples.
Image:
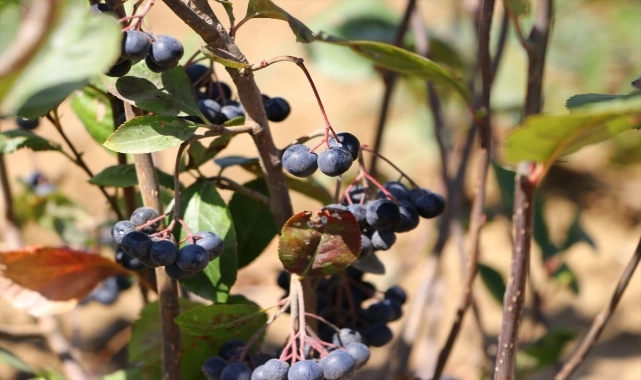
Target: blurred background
[(594, 48)]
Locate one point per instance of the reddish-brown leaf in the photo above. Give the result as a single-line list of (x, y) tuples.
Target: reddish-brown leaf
[(318, 243), (58, 274)]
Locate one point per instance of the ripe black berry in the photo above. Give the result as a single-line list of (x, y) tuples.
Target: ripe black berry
[(335, 161), (119, 69), (192, 257), (277, 109), (142, 215), (166, 52), (163, 252), (299, 161), (136, 244), (347, 141), (135, 45)]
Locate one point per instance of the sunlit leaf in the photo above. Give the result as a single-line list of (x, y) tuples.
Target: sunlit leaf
[(31, 301), (168, 93), (94, 111), (545, 138), (13, 140), (145, 345), (204, 210), (125, 176), (147, 134), (404, 62), (58, 274), (517, 8), (318, 243), (75, 48)]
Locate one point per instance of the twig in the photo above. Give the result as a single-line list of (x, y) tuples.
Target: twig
[(129, 193), (478, 205), (78, 160), (389, 80), (514, 298), (228, 184), (58, 343), (601, 319), (166, 286)]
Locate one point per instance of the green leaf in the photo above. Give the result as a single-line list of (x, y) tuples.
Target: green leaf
[(565, 276), (205, 210), (94, 111), (493, 281), (577, 234), (582, 100), (319, 243), (222, 322), (146, 134), (517, 7), (223, 57), (545, 138), (77, 46), (125, 176), (253, 221), (404, 62), (267, 9), (168, 93), (129, 374), (146, 345), (7, 357), (10, 141), (197, 154), (229, 9), (547, 350)]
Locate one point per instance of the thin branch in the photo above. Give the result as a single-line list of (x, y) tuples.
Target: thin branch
[(601, 319), (166, 286), (478, 204), (228, 184), (78, 160), (514, 298), (71, 366), (389, 80)]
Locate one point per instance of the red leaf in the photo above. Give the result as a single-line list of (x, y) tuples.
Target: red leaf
[(58, 274), (319, 243)]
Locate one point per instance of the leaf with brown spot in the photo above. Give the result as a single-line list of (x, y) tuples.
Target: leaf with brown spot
[(319, 243), (58, 274)]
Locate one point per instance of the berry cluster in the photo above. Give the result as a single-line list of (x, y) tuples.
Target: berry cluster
[(215, 103), (341, 300), (138, 243), (395, 209), (233, 363), (300, 161), (160, 54)]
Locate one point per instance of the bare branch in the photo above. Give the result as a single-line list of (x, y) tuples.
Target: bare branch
[(601, 319)]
